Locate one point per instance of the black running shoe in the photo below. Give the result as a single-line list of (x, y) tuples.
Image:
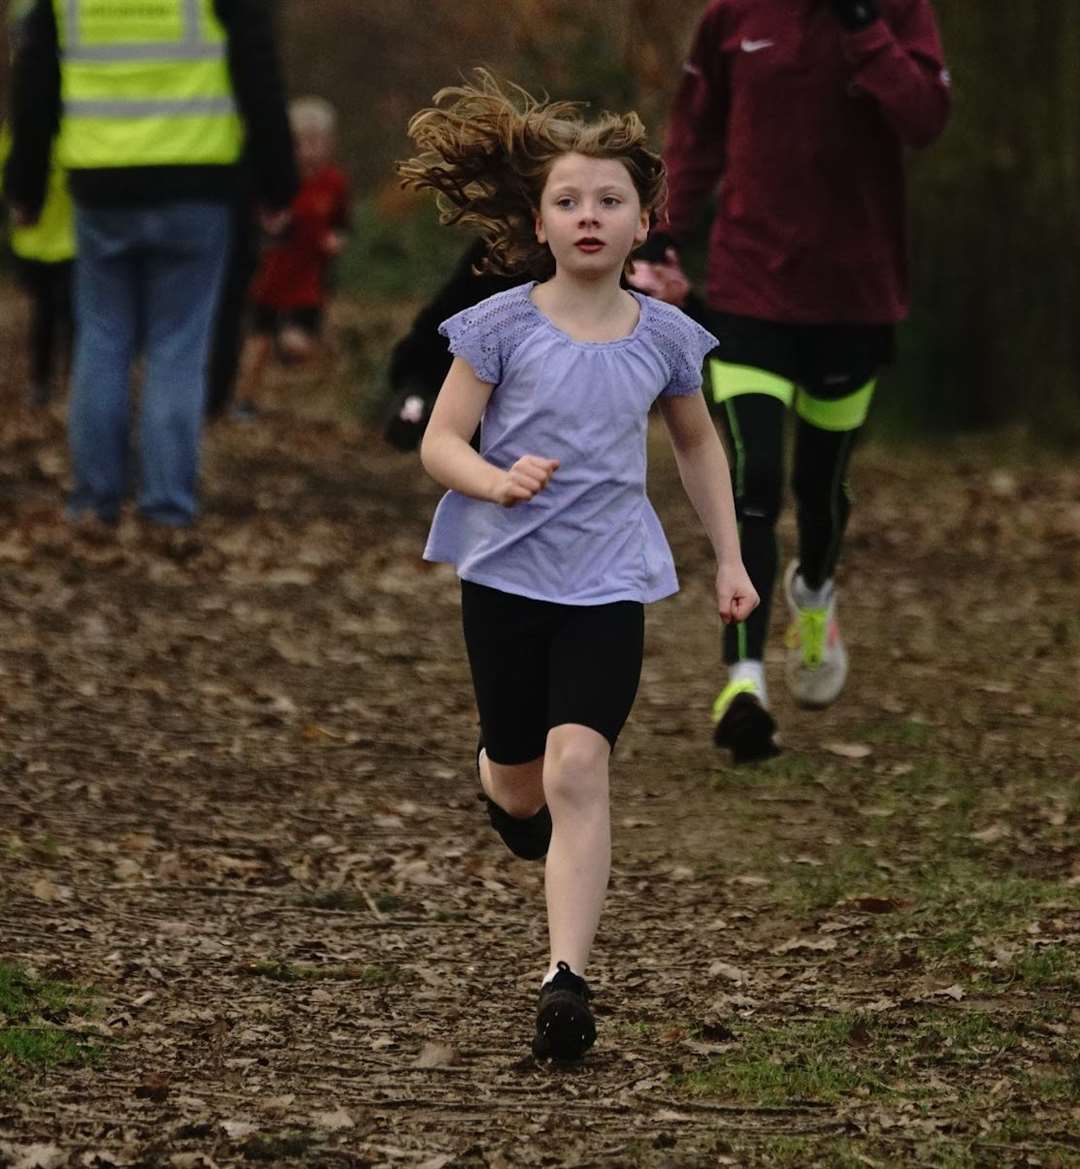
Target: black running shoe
[(565, 1028), (743, 725), (527, 837)]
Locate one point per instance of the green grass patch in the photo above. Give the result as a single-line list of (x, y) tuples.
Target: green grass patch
[(836, 1058), (899, 732), (1056, 967), (955, 1037), (963, 906), (799, 1061), (791, 767), (1053, 1088), (848, 873), (33, 1011), (292, 972)]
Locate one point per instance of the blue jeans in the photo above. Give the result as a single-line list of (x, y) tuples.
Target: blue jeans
[(147, 280)]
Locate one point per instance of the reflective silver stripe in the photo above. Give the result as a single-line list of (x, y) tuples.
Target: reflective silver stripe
[(149, 109), (194, 46), (107, 54)]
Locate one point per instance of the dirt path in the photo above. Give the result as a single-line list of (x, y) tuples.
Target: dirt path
[(236, 802)]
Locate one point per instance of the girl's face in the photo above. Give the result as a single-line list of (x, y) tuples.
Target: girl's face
[(314, 149), (590, 215)]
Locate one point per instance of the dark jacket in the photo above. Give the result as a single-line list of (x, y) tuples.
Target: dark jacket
[(260, 95), (800, 128)]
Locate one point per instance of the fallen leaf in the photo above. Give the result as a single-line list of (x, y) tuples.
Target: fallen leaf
[(277, 1103), (45, 890), (333, 1121), (859, 1035), (726, 970), (795, 945), (436, 1055), (848, 750), (100, 1159), (955, 992), (35, 1156), (991, 834), (155, 1087), (238, 1129)]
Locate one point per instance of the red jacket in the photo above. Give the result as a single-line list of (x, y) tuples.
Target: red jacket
[(292, 272), (804, 126)]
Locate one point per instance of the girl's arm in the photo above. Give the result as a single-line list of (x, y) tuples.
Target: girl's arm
[(703, 468), (450, 460)]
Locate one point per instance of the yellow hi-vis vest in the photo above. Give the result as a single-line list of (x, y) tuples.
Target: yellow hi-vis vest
[(52, 239), (145, 83)]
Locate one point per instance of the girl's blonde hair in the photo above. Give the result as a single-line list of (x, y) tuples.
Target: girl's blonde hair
[(486, 150), (312, 115)]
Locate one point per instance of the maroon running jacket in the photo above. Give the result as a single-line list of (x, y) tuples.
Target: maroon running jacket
[(800, 128)]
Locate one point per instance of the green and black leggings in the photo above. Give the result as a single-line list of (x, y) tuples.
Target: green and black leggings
[(824, 374)]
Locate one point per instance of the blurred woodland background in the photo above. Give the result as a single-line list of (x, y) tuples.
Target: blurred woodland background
[(995, 205)]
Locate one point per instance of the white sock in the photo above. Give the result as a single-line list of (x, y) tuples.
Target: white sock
[(751, 670), (808, 598), (555, 970)]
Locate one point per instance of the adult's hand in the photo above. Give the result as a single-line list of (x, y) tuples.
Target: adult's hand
[(275, 222), (856, 14), (664, 279)]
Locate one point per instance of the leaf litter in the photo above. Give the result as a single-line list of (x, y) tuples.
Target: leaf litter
[(257, 759)]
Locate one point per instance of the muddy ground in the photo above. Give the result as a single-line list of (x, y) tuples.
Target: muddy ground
[(237, 808)]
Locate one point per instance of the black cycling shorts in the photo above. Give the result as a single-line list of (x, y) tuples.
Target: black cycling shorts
[(827, 361), (538, 665)]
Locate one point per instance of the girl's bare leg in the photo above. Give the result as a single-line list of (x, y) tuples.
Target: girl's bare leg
[(517, 788), (253, 367), (575, 771)]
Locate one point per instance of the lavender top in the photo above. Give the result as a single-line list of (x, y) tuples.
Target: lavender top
[(591, 536)]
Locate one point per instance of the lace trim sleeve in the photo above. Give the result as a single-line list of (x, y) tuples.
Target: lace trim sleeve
[(487, 334), (684, 345)]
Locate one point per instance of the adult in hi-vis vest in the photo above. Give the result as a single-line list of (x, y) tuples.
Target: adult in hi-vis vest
[(150, 102)]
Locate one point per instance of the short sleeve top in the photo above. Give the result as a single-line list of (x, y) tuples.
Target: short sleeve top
[(591, 537)]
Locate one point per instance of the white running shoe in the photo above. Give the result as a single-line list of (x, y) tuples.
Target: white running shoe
[(817, 662)]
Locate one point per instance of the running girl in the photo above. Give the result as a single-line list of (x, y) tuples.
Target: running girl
[(549, 526)]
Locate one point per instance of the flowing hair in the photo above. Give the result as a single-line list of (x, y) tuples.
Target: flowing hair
[(486, 149)]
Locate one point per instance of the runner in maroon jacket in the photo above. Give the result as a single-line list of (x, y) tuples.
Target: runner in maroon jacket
[(797, 114)]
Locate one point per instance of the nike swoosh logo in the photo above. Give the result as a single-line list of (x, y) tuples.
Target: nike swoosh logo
[(756, 46)]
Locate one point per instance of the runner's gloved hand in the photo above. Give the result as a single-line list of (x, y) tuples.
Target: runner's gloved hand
[(665, 279), (856, 14)]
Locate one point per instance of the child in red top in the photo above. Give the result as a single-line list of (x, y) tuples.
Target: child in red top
[(290, 289)]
